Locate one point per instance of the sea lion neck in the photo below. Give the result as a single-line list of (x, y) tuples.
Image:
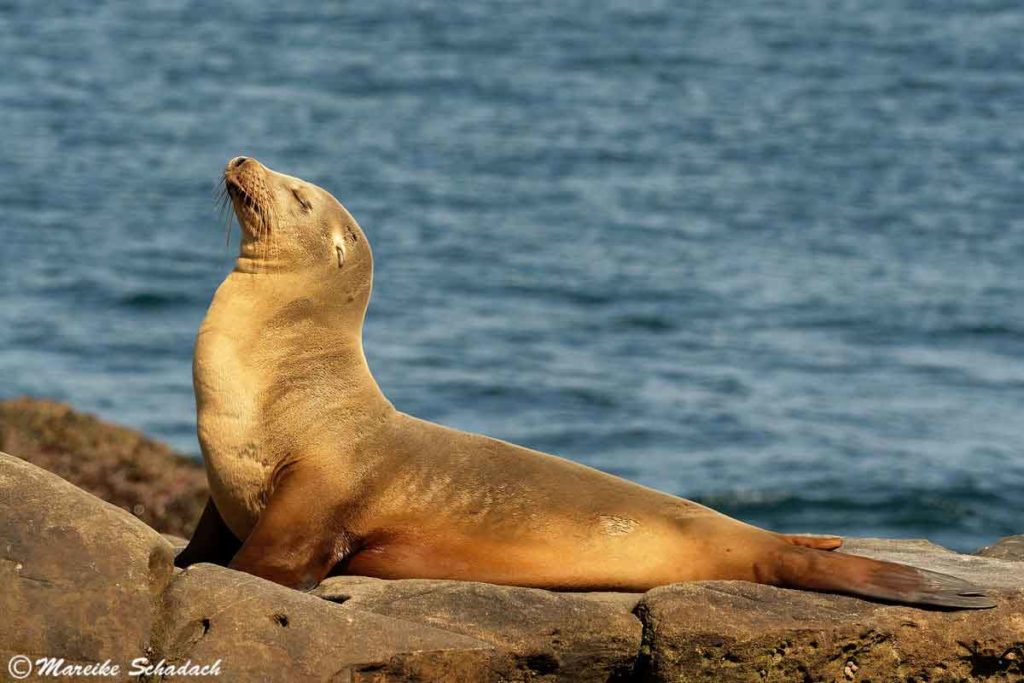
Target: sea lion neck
[(258, 265), (293, 336)]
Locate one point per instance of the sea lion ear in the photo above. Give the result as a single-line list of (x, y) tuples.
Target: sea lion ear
[(339, 250)]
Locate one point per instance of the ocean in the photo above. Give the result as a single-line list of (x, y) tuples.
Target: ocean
[(762, 255)]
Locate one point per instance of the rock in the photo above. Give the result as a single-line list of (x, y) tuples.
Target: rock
[(263, 631), (163, 488), (894, 549), (177, 542), (86, 581), (80, 578), (1006, 548), (543, 635), (735, 631)]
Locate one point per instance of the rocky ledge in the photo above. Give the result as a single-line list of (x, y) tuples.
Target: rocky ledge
[(86, 581), (164, 489)]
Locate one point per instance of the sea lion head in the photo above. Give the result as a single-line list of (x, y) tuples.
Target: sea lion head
[(291, 226)]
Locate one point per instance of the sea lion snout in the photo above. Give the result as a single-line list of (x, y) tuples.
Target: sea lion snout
[(246, 182), (241, 166)]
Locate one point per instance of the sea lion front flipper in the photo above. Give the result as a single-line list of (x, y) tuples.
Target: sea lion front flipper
[(298, 538), (212, 541)]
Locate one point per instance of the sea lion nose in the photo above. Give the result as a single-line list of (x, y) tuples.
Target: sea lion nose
[(237, 162)]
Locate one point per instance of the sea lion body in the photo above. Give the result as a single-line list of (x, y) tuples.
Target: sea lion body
[(426, 501), (314, 469)]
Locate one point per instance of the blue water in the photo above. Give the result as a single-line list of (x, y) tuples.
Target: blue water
[(764, 255)]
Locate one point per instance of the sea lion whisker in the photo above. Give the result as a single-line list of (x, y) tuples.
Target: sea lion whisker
[(225, 215)]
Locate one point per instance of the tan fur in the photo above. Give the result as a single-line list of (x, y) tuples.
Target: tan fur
[(315, 470)]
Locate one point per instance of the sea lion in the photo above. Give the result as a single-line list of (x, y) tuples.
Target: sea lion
[(314, 469)]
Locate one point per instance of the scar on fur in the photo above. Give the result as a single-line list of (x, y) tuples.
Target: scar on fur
[(617, 526)]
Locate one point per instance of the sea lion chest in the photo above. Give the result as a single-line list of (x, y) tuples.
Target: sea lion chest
[(230, 378)]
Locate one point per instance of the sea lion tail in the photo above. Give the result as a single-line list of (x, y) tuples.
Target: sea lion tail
[(818, 570)]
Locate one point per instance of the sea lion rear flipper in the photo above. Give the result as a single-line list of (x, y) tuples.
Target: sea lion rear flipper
[(819, 542), (298, 538), (861, 576), (212, 541)]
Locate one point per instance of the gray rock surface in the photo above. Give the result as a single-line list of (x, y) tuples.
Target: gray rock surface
[(267, 632), (542, 634), (1006, 548), (80, 577)]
